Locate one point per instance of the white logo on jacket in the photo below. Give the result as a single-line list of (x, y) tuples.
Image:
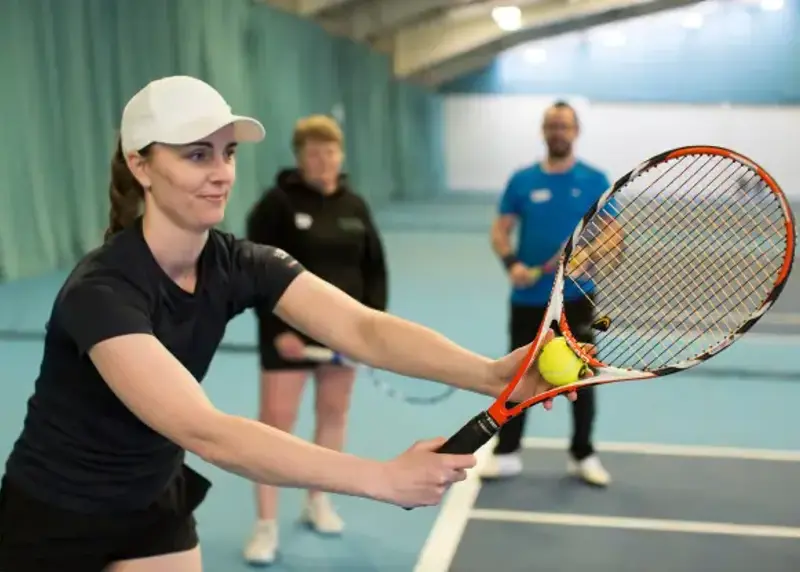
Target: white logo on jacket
[(303, 221)]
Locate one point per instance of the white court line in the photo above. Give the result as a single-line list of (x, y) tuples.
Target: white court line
[(764, 338), (774, 455), (442, 542), (685, 526), (782, 318), (778, 318)]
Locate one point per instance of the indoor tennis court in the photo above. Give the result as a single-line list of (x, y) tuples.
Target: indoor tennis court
[(705, 464), (440, 101)]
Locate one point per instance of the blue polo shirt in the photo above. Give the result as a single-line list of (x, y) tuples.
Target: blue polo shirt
[(548, 206)]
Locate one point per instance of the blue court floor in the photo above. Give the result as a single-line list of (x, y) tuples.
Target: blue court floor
[(670, 508), (690, 510)]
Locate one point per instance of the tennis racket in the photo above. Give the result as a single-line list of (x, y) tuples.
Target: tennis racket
[(680, 258), (394, 386)]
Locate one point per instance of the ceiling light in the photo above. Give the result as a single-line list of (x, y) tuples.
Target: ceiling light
[(508, 18)]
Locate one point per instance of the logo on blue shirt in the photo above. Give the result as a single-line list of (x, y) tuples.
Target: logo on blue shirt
[(548, 206)]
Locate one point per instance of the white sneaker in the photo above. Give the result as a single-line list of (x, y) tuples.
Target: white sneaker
[(502, 466), (590, 470), (263, 544), (320, 515)]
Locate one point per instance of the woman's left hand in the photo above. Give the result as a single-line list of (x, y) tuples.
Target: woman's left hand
[(504, 369)]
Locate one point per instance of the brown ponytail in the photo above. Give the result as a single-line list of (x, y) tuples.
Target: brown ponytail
[(124, 192)]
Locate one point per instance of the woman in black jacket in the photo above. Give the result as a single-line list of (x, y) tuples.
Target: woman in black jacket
[(312, 213)]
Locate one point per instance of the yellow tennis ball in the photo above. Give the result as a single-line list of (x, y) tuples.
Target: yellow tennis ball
[(558, 364)]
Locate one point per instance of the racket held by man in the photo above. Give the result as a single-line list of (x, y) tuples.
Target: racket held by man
[(680, 258)]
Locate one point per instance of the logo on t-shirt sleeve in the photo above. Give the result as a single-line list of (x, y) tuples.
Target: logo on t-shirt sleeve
[(281, 254)]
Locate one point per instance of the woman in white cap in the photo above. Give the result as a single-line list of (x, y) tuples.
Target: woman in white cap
[(96, 481)]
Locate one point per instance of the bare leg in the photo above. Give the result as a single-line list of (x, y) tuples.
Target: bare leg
[(334, 389), (281, 393), (333, 393)]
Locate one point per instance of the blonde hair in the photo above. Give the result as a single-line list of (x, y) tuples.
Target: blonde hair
[(316, 128)]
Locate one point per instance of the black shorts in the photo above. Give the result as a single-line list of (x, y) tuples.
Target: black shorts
[(270, 327), (38, 537), (524, 322)]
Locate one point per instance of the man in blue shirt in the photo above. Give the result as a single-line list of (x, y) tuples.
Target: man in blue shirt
[(544, 202)]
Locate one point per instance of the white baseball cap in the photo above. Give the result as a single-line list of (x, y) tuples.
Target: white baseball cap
[(178, 110)]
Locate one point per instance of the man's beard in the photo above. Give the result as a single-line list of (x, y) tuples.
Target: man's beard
[(559, 151)]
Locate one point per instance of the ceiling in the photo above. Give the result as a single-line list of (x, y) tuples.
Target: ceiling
[(433, 41)]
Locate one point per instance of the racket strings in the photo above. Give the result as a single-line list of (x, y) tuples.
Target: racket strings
[(593, 223), (626, 296), (688, 322), (684, 324), (720, 260), (726, 253), (659, 283), (616, 254), (595, 229), (703, 241)]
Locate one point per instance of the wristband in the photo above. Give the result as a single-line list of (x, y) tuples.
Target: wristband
[(509, 260)]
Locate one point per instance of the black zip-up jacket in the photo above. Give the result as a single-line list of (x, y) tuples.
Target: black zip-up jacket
[(332, 236)]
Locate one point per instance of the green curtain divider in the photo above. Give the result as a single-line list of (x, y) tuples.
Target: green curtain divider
[(69, 66)]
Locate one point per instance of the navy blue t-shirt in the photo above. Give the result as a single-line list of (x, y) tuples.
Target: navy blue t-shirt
[(548, 206)]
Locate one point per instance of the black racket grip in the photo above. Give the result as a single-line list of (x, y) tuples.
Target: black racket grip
[(472, 436)]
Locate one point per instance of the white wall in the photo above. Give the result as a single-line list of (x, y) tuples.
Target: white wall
[(489, 136)]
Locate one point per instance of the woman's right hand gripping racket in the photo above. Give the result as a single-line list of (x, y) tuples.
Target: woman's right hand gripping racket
[(680, 257)]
